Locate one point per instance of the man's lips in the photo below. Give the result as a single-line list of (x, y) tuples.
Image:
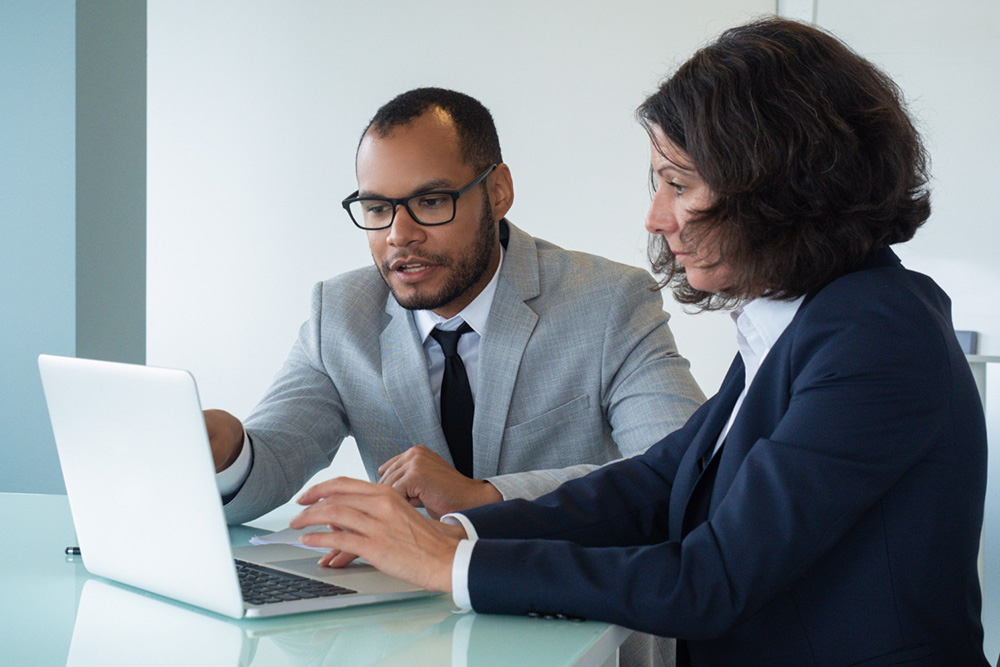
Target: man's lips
[(410, 264), (411, 269)]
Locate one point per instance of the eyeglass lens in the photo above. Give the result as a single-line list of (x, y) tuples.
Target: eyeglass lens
[(429, 209)]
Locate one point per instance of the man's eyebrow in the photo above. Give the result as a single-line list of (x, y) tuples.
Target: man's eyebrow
[(429, 186)]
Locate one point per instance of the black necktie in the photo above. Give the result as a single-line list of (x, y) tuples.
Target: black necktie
[(456, 400)]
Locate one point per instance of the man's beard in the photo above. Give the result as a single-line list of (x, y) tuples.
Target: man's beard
[(466, 270)]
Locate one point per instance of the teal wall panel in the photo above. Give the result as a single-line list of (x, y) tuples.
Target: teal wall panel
[(37, 231)]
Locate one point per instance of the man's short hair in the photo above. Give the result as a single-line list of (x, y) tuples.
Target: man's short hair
[(809, 150), (477, 135)]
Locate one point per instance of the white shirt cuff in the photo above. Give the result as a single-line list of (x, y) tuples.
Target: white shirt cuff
[(232, 478), (456, 519), (463, 559)]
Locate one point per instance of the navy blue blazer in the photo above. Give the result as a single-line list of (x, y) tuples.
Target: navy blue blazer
[(843, 523)]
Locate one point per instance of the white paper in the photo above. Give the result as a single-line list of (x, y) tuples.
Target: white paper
[(290, 536)]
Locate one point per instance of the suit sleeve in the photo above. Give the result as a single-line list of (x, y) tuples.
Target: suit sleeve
[(647, 389), (869, 396), (296, 428)]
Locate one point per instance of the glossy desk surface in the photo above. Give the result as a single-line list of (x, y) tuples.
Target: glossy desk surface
[(52, 612)]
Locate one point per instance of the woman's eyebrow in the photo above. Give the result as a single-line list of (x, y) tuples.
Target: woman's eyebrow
[(671, 168)]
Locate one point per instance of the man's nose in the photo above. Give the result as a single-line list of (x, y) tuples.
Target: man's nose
[(404, 230)]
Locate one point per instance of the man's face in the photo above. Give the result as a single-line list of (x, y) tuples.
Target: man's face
[(440, 268)]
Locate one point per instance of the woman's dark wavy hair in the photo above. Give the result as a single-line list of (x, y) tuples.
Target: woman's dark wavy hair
[(808, 149)]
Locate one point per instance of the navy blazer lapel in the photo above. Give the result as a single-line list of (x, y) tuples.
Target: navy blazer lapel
[(689, 472), (763, 407)]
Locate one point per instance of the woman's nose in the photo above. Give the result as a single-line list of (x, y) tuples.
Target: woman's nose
[(661, 219)]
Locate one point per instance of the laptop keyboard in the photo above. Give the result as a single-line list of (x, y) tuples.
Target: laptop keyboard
[(262, 585)]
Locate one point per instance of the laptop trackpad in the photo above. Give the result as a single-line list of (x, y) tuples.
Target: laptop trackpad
[(360, 577), (308, 567)]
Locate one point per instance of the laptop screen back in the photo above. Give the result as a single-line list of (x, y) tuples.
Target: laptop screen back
[(140, 479)]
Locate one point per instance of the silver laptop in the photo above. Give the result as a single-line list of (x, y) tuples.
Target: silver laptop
[(141, 485)]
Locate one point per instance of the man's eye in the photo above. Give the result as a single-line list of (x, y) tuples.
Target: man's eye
[(376, 208), (432, 201)]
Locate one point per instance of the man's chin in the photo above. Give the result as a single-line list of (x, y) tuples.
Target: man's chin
[(412, 299)]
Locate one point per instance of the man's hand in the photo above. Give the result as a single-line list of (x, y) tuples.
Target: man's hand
[(225, 434), (423, 477), (376, 523)]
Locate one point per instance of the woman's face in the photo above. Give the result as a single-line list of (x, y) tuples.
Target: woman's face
[(680, 194)]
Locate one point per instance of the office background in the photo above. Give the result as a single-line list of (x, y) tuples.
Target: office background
[(171, 172)]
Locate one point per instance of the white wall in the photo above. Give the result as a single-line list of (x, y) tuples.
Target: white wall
[(255, 110)]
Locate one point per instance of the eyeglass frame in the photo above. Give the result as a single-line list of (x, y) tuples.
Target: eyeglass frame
[(404, 201)]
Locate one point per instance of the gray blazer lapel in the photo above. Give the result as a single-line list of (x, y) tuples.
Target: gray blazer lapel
[(404, 372), (508, 329)]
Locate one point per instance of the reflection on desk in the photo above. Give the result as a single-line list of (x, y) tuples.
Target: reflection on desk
[(115, 624), (53, 609)]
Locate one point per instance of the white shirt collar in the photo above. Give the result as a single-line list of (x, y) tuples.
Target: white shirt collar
[(475, 314), (759, 324)]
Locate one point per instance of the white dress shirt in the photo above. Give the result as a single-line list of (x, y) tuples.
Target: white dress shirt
[(759, 324), (475, 314)]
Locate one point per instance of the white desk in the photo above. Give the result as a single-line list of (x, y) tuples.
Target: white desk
[(52, 612)]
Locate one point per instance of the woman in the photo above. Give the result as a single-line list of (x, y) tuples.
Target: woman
[(824, 508)]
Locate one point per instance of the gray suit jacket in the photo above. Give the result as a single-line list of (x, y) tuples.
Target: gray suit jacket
[(577, 367)]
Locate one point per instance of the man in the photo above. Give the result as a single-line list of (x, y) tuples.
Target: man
[(569, 361), (825, 506)]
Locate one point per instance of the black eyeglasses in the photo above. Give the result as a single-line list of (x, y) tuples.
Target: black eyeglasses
[(436, 207)]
